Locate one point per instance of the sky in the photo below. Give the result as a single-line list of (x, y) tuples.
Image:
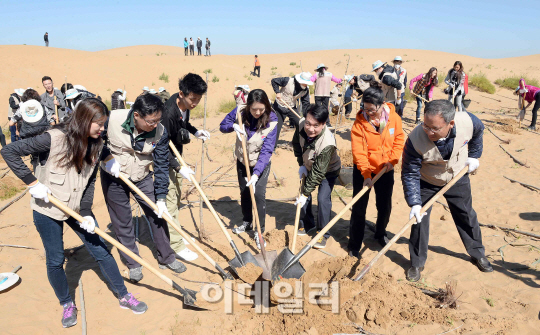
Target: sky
[(486, 29)]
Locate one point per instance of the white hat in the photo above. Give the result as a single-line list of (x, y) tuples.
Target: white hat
[(348, 78), (161, 89), (119, 90), (19, 91), (321, 66), (145, 88), (31, 111), (304, 78), (72, 93), (29, 87), (7, 280), (80, 87), (152, 91), (398, 58), (377, 65), (244, 87)]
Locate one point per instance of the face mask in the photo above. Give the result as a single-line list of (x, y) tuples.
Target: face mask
[(397, 66), (522, 91)]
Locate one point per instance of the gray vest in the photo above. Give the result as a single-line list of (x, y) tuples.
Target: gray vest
[(253, 145), (310, 155), (287, 92)]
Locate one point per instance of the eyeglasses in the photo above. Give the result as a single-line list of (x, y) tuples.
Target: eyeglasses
[(371, 111), (150, 123), (426, 128)]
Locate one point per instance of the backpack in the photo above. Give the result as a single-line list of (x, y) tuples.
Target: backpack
[(34, 119)]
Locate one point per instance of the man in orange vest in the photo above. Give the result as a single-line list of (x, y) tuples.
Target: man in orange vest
[(257, 69)]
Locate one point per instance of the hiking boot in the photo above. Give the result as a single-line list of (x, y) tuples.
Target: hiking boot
[(531, 128), (130, 302), (246, 226), (413, 274), (187, 255), (135, 274), (176, 266), (258, 244), (321, 243), (69, 318), (354, 253), (418, 121), (483, 264)]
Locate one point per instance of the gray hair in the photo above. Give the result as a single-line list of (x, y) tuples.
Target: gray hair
[(441, 107)]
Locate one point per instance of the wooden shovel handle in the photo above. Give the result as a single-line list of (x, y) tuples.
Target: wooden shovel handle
[(56, 109), (297, 218), (346, 208), (109, 239), (201, 192), (419, 97), (290, 108)]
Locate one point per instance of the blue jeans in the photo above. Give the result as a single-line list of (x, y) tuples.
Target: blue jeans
[(51, 232), (13, 131), (419, 108), (324, 198)]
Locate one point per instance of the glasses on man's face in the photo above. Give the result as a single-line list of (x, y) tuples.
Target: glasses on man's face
[(426, 128), (151, 123)]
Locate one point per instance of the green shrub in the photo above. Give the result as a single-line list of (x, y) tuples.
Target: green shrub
[(108, 104), (513, 82), (480, 81), (215, 79), (291, 74), (250, 78), (225, 106), (164, 77), (207, 71), (273, 68), (441, 77), (311, 89), (408, 95), (292, 63)]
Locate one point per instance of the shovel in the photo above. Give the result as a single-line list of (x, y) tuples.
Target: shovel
[(410, 223), (297, 218), (241, 259), (418, 96), (189, 295), (287, 264), (267, 258), (289, 107), (170, 221)]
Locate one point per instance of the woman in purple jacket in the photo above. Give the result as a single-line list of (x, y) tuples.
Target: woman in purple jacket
[(422, 86), (259, 123)]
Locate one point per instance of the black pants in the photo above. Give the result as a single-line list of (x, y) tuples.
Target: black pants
[(282, 113), (535, 109), (257, 71), (324, 203), (348, 108), (383, 201), (323, 101), (260, 194), (116, 194), (199, 51), (185, 51), (192, 50), (459, 200)]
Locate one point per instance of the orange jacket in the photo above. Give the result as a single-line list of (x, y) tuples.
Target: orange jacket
[(372, 150), (257, 63)]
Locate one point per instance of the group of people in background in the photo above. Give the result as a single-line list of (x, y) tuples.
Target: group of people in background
[(190, 46)]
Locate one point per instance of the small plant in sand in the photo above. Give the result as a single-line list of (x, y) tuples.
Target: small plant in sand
[(513, 81), (153, 83), (297, 66), (481, 82), (225, 106), (292, 63), (164, 77), (249, 78), (448, 297), (245, 76), (291, 74), (207, 71), (273, 68), (160, 53), (450, 321), (489, 301), (441, 77), (215, 79), (488, 67)]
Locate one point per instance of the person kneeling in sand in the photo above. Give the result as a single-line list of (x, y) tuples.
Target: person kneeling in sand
[(435, 152), (68, 170)]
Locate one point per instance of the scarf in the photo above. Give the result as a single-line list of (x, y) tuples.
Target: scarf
[(380, 123)]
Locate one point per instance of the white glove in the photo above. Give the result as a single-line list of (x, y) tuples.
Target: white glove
[(252, 181), (112, 167), (523, 90), (162, 209), (40, 191), (473, 164), (415, 212), (398, 101), (185, 171), (367, 182), (202, 135), (354, 99), (301, 200), (240, 132), (302, 171), (521, 115), (88, 224)]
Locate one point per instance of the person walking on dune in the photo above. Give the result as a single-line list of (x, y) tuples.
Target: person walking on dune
[(46, 39), (257, 67)]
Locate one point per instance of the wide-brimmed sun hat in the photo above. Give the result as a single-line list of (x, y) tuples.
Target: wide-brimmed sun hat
[(398, 58), (145, 88), (161, 89), (119, 90), (320, 66), (19, 91), (377, 65), (72, 93), (31, 110), (304, 78), (244, 87), (152, 91)]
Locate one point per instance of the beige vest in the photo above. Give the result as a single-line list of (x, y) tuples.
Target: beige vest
[(287, 92), (322, 85), (334, 96), (310, 155), (66, 185), (133, 163), (435, 170), (390, 93), (253, 145)]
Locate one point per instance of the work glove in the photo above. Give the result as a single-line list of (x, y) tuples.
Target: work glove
[(88, 224), (473, 164), (240, 131), (202, 135), (521, 115), (398, 101), (252, 181), (301, 200), (302, 171), (40, 191), (185, 171), (112, 167), (389, 166), (367, 182), (162, 209), (415, 212), (354, 100)]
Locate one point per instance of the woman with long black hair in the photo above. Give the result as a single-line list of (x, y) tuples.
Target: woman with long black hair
[(68, 159), (456, 79), (422, 86), (260, 124)]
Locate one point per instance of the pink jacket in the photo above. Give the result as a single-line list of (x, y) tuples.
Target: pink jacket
[(529, 96), (417, 78), (334, 79)]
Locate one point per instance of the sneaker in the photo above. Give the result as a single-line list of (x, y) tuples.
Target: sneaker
[(176, 266), (246, 226), (531, 128), (301, 232), (321, 243), (257, 242), (130, 302), (187, 255), (354, 253), (69, 318), (418, 121), (135, 274)]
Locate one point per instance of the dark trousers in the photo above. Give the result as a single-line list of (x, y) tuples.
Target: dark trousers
[(13, 131), (348, 108), (51, 232), (257, 71), (459, 200), (282, 113), (185, 51), (401, 107), (260, 194), (324, 203), (192, 50), (383, 201), (116, 194), (199, 51), (323, 101), (535, 109)]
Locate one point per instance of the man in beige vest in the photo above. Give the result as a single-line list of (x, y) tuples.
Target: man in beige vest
[(436, 151), (392, 88)]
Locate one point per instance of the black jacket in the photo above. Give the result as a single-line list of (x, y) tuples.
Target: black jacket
[(172, 120), (412, 160), (283, 81), (199, 43), (389, 81)]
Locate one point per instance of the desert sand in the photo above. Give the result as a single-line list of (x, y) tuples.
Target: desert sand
[(503, 302)]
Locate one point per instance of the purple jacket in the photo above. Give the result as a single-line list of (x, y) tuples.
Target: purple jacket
[(417, 78), (226, 126)]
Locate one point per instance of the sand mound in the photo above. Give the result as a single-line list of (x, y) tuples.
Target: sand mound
[(346, 158), (507, 125), (10, 186)]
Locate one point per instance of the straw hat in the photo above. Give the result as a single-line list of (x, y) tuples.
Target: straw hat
[(304, 78)]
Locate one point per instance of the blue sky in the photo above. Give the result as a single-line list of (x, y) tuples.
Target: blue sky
[(487, 29)]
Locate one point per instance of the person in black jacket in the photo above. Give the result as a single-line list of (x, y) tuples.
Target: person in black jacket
[(176, 120), (199, 46), (46, 39), (14, 100), (436, 151)]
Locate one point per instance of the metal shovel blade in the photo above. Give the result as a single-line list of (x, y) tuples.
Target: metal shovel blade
[(190, 296), (295, 271), (267, 271), (247, 257)]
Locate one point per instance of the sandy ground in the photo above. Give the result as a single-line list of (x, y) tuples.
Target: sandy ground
[(381, 303)]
